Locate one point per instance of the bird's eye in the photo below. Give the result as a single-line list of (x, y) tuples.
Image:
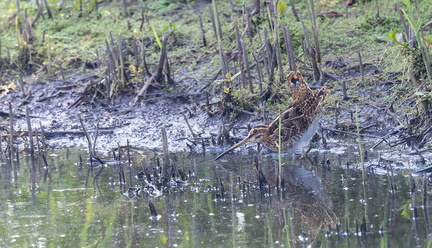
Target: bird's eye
[(255, 131)]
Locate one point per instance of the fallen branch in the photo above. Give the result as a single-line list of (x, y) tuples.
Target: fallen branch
[(352, 133), (143, 91), (329, 75), (51, 134)]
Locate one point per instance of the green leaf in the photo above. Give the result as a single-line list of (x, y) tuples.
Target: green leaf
[(406, 210), (392, 34), (228, 75), (399, 37), (384, 241), (157, 38), (414, 26), (395, 37), (282, 6), (408, 3), (427, 40), (385, 37)]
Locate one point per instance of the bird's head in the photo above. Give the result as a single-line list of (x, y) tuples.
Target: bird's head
[(298, 87), (294, 79)]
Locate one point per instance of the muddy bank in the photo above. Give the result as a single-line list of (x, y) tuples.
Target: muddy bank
[(56, 106)]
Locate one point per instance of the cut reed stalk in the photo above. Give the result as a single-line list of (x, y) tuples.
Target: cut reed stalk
[(276, 41), (360, 146), (390, 177), (280, 149), (144, 59), (240, 57), (11, 132), (1, 63), (213, 22), (246, 64), (91, 147), (1, 145), (267, 53), (407, 33), (170, 80), (121, 68), (136, 53), (260, 75), (86, 135), (42, 134), (279, 60), (62, 73), (315, 32), (129, 160), (152, 208), (50, 15), (223, 60), (204, 40), (95, 138), (360, 64), (310, 52), (294, 10), (189, 126), (162, 59), (17, 156), (289, 48), (166, 161), (21, 84), (48, 55), (413, 187), (249, 24), (425, 197), (96, 181), (425, 52), (217, 20), (18, 6), (30, 131), (112, 66), (344, 91), (39, 13), (126, 12)]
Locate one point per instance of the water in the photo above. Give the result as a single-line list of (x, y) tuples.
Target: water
[(223, 206)]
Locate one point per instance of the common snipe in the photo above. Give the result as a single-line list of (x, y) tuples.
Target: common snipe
[(298, 122)]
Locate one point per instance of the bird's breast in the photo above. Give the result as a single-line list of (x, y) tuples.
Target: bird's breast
[(306, 137)]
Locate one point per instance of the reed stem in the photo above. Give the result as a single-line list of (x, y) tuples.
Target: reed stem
[(360, 147)]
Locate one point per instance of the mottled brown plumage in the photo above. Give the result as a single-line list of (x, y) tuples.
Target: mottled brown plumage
[(298, 122), (300, 91)]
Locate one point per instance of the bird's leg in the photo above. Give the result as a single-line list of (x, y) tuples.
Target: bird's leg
[(311, 144), (305, 153)]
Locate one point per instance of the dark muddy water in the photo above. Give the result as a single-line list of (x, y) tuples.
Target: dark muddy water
[(323, 203)]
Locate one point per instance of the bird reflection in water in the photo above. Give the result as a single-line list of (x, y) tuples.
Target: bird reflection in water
[(303, 193)]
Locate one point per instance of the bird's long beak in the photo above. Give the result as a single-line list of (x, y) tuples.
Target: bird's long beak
[(245, 140)]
